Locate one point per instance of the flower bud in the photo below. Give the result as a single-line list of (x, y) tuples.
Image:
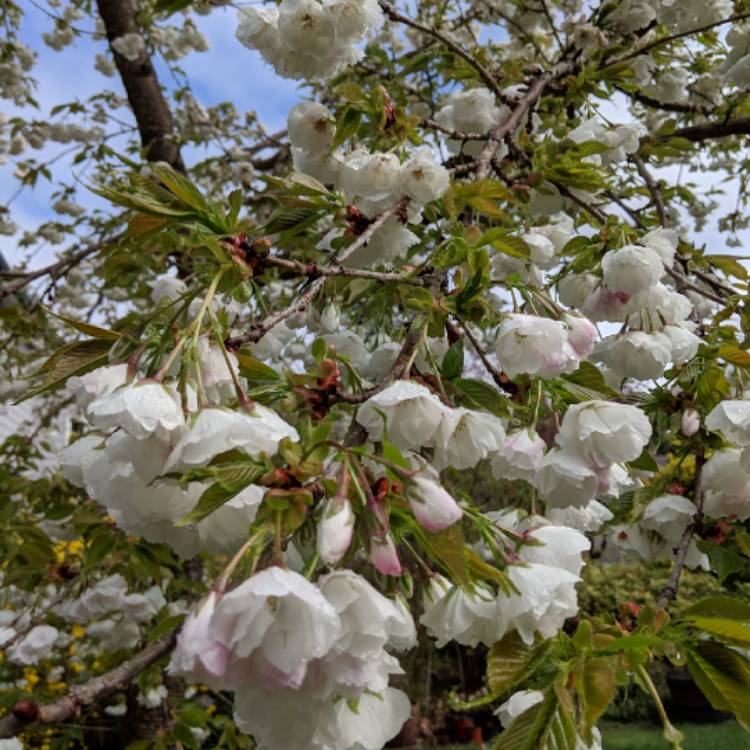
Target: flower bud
[(691, 422), (384, 557), (330, 319), (335, 530), (432, 506)]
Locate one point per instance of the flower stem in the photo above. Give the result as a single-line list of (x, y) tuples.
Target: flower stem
[(671, 734)]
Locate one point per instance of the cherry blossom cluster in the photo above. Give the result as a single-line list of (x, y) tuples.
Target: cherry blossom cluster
[(543, 587), (727, 471), (286, 645), (372, 181), (631, 291), (307, 39), (144, 433)]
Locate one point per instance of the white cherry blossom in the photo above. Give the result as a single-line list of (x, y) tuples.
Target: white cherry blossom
[(465, 437), (411, 412), (566, 479), (547, 598), (519, 456), (534, 346), (452, 613), (217, 430), (432, 505), (604, 432), (142, 409)]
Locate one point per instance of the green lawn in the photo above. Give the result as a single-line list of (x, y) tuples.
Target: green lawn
[(729, 736)]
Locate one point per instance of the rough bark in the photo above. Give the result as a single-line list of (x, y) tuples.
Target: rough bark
[(80, 697), (708, 130), (155, 123)]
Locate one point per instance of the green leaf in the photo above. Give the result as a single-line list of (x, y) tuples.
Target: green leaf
[(254, 370), (596, 689), (591, 381), (482, 195), (452, 252), (447, 548), (473, 287), (167, 625), (548, 725), (728, 264), (235, 205), (347, 126), (304, 184), (142, 226), (169, 7), (230, 479), (724, 677), (453, 362), (76, 358), (502, 240), (293, 220), (87, 328), (644, 462), (723, 617), (482, 395), (181, 187), (734, 355), (510, 661), (637, 642), (419, 299), (724, 561), (319, 349), (143, 203)]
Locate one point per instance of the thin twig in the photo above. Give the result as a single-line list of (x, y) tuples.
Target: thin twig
[(315, 269), (455, 134), (54, 269), (485, 74), (500, 378), (653, 188), (257, 332), (670, 590), (683, 282), (678, 35)]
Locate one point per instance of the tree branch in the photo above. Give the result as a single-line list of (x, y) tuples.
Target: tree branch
[(455, 134), (398, 368), (315, 269), (500, 378), (707, 130), (685, 284), (155, 123), (257, 332), (649, 101), (488, 78), (24, 279), (653, 188), (28, 712), (670, 590), (679, 35), (510, 123)]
